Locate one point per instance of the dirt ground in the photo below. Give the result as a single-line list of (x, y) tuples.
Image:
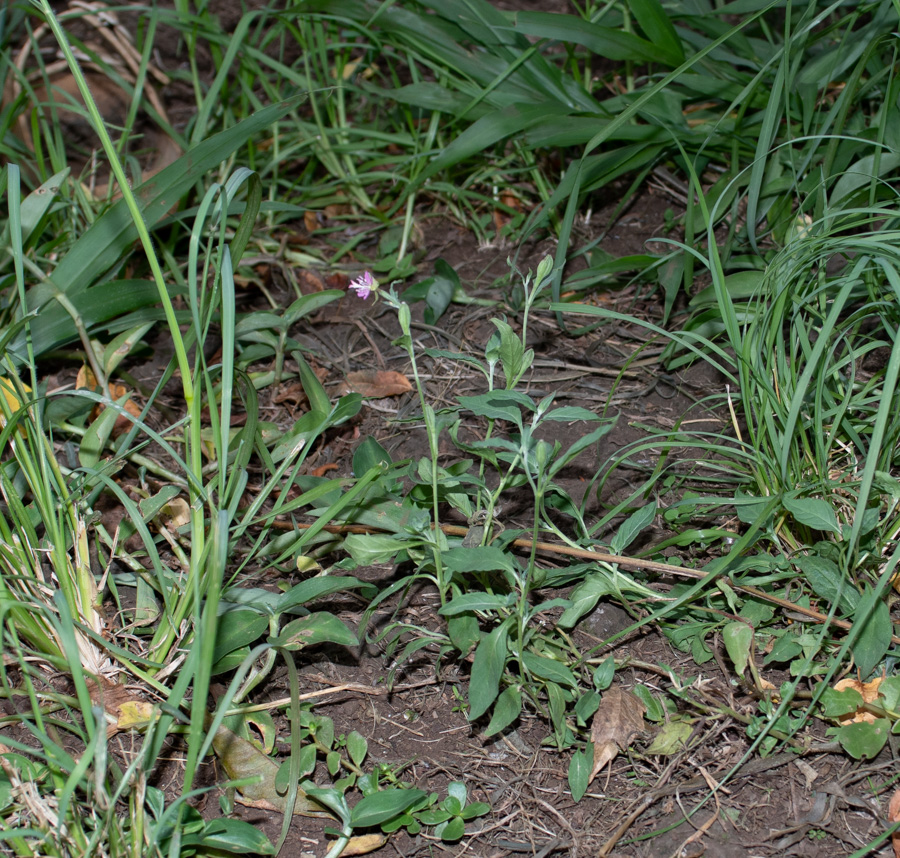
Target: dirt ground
[(653, 807)]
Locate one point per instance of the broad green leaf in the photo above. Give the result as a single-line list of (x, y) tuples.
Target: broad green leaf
[(864, 741), (383, 805), (738, 638), (813, 512), (580, 771), (357, 747), (586, 706), (487, 668), (556, 700), (498, 405), (569, 413), (889, 689), (584, 598), (437, 292), (236, 629), (655, 710), (230, 835), (316, 588), (369, 454), (307, 304), (632, 526), (316, 628), (453, 830), (476, 808), (369, 548), (483, 558), (477, 602), (862, 174), (874, 637), (548, 668), (604, 674), (464, 632), (457, 790), (671, 739), (826, 579), (837, 703)]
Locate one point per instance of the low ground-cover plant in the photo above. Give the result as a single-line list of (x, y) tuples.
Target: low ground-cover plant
[(751, 117)]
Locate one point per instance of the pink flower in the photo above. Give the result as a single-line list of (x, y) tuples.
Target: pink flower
[(364, 285)]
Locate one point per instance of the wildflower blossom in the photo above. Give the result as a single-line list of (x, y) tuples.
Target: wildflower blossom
[(364, 285)]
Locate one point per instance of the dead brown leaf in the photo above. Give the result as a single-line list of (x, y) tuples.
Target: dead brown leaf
[(618, 719), (376, 383), (894, 816), (363, 844), (86, 379)]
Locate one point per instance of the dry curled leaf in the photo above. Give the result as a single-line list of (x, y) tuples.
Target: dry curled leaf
[(894, 816), (244, 761), (618, 719), (86, 379), (363, 844), (376, 383), (869, 693)]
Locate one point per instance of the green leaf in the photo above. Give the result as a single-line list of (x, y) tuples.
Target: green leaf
[(383, 805), (464, 632), (874, 637), (369, 454), (307, 304), (584, 599), (312, 387), (357, 747), (477, 602), (487, 668), (570, 413), (580, 771), (655, 710), (111, 236), (231, 835), (483, 558), (498, 405), (507, 708), (236, 629), (616, 45), (587, 705), (631, 527), (476, 808), (316, 588), (862, 740), (827, 582), (837, 703), (604, 674), (813, 512), (453, 830), (671, 739), (654, 21), (738, 638), (890, 691), (548, 668), (316, 628), (369, 548), (457, 790)]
